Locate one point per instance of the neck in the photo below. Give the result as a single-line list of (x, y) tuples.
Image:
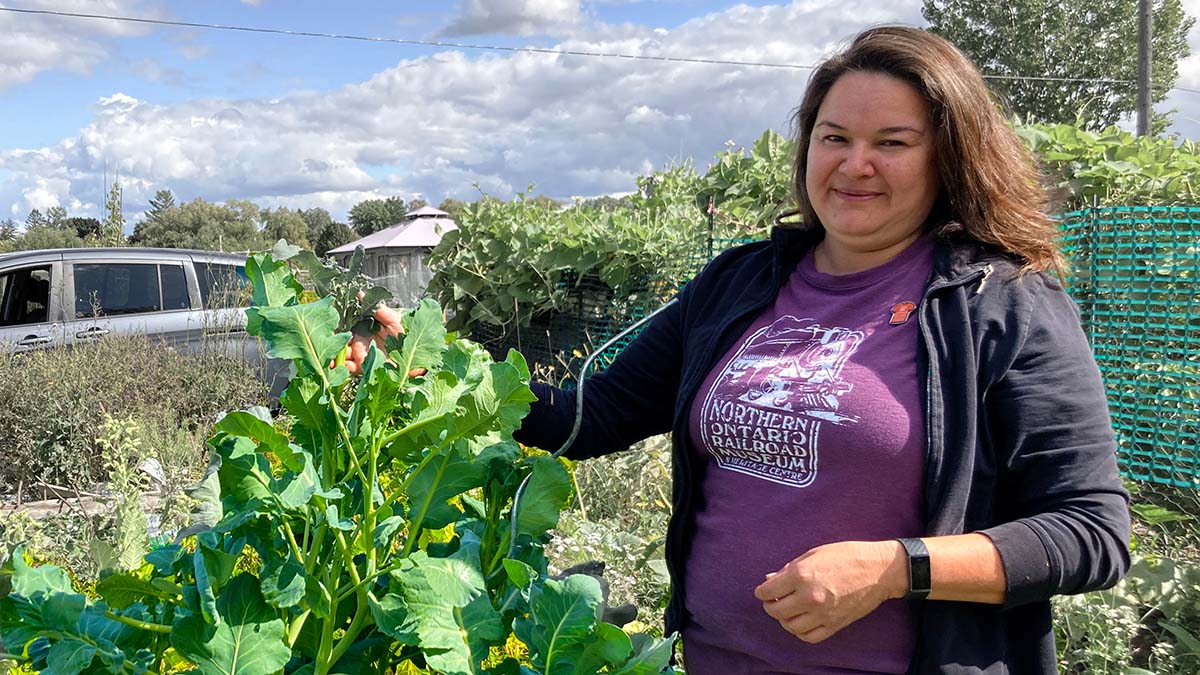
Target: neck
[(833, 257)]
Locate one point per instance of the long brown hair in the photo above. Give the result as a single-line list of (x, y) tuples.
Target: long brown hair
[(990, 187)]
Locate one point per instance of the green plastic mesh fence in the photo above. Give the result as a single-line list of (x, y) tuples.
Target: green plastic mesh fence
[(1135, 277)]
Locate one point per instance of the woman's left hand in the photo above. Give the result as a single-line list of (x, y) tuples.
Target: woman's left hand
[(832, 586)]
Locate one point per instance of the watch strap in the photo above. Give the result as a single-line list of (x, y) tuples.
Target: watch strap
[(920, 580)]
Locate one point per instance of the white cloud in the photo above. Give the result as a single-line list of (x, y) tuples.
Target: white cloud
[(35, 43), (435, 126), (517, 17), (1187, 123)]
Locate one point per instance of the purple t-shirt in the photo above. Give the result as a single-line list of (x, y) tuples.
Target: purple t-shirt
[(811, 432)]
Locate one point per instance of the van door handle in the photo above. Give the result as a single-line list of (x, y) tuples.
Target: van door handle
[(92, 332), (35, 340)]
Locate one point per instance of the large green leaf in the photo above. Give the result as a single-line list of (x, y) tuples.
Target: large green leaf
[(244, 480), (391, 616), (447, 475), (296, 488), (547, 494), (610, 646), (313, 418), (69, 657), (30, 582), (561, 623), (250, 640), (123, 590), (495, 407), (651, 656), (256, 424), (271, 281), (304, 334), (424, 340), (436, 593), (284, 583)]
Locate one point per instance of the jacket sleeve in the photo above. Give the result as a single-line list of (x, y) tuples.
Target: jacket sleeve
[(631, 400), (1067, 513)]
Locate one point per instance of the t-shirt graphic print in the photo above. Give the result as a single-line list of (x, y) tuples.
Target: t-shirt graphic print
[(764, 416)]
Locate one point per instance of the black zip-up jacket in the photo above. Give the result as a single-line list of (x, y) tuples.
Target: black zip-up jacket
[(1019, 442)]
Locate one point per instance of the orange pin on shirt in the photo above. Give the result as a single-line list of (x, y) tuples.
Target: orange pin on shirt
[(901, 312)]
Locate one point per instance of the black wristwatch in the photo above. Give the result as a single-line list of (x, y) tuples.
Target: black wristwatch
[(919, 578)]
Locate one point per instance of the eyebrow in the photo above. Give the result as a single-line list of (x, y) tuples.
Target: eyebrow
[(885, 130)]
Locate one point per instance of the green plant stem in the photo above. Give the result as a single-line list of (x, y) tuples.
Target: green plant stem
[(400, 433), (140, 625), (318, 540), (337, 410), (290, 536), (367, 581), (361, 615), (13, 657), (348, 557), (297, 626), (403, 489)]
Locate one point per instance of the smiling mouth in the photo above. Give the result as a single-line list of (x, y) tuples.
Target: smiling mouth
[(855, 196)]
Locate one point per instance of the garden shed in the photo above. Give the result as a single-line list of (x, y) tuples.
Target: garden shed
[(395, 256)]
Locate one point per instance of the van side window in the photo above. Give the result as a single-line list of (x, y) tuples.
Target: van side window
[(109, 289), (174, 287), (221, 285), (25, 296)]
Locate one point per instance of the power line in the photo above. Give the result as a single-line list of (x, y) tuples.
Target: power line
[(402, 41), (481, 47)]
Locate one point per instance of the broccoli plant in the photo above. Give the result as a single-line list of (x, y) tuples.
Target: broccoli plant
[(376, 534)]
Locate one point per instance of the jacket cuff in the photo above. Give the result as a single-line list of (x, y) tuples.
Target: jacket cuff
[(1026, 563)]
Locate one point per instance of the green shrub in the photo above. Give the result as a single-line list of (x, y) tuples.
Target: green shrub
[(1113, 166), (53, 405), (620, 515)]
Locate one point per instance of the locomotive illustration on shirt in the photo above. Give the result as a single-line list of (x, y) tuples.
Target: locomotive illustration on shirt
[(795, 365)]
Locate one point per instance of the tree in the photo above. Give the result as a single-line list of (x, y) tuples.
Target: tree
[(8, 235), (283, 223), (56, 216), (46, 237), (114, 220), (548, 203), (162, 200), (1094, 40), (317, 220), (417, 204), (607, 203), (373, 215), (35, 219), (83, 227), (203, 225), (334, 235), (452, 206)]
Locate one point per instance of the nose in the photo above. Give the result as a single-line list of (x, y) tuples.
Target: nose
[(858, 162)]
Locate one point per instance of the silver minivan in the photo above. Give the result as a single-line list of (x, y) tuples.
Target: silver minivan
[(184, 298)]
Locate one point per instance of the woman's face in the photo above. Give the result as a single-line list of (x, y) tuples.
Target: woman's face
[(871, 175)]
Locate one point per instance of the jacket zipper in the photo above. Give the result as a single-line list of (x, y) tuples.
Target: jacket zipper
[(930, 461), (682, 450)]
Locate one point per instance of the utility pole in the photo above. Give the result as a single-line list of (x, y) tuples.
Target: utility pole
[(1145, 33)]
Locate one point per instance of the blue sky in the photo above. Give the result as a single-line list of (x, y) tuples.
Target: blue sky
[(302, 122)]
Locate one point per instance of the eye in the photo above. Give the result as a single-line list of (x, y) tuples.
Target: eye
[(892, 143), (833, 138)]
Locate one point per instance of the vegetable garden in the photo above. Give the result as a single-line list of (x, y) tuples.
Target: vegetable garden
[(370, 526)]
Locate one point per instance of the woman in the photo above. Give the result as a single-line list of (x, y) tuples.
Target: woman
[(891, 442)]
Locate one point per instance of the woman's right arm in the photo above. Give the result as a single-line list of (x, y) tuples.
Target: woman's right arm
[(631, 400)]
